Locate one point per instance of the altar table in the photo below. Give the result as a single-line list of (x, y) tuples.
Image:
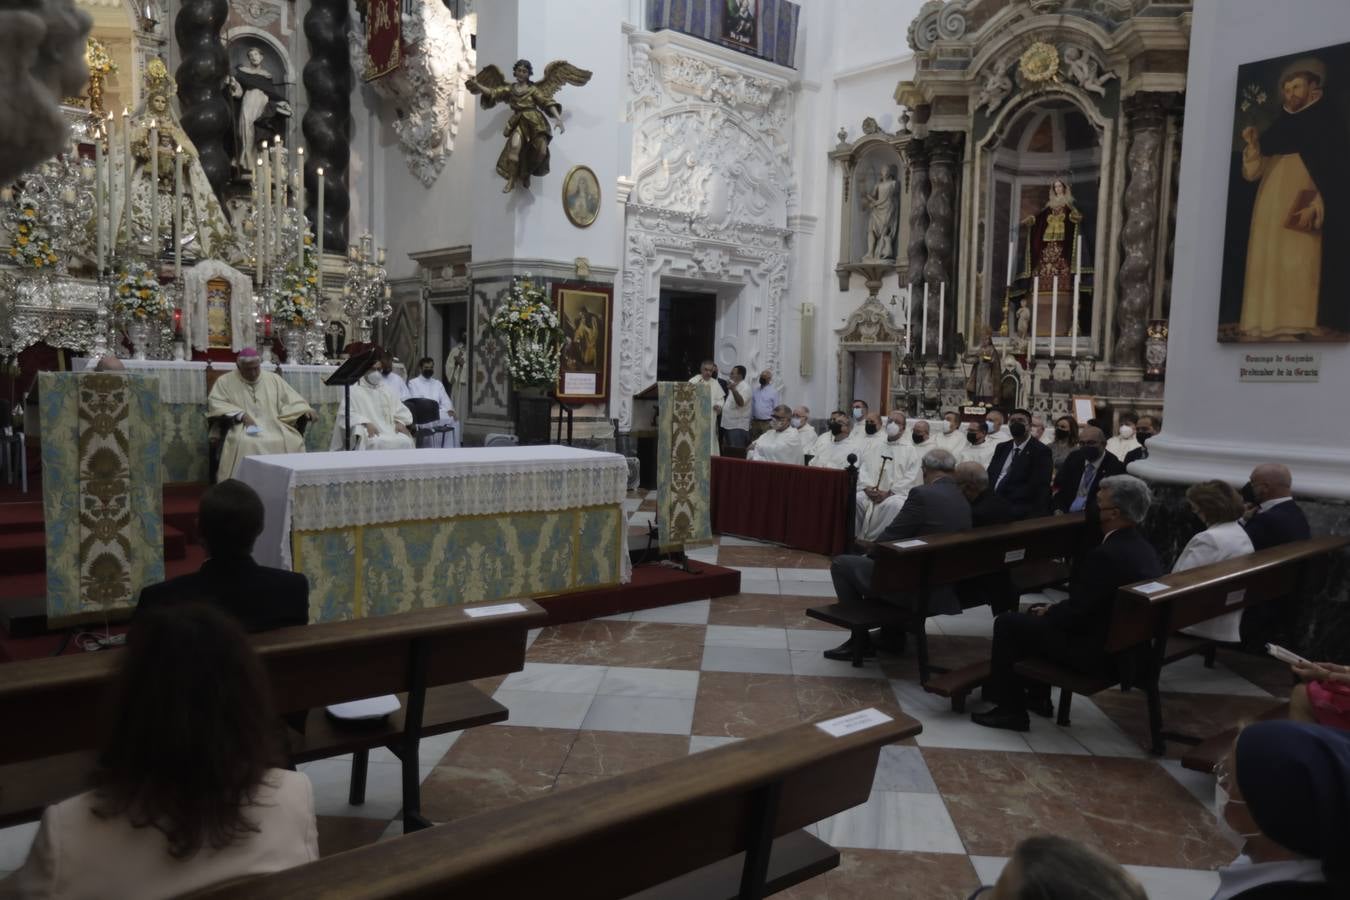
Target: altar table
[(380, 532)]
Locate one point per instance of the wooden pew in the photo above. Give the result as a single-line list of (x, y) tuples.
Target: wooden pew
[(718, 824), (423, 656), (1148, 614), (916, 566)]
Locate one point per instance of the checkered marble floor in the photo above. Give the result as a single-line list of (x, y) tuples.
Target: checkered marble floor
[(607, 696)]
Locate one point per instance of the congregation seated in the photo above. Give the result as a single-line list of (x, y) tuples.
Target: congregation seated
[(998, 425), (229, 520), (806, 432), (986, 508), (266, 408), (1124, 442), (1064, 440), (1021, 468), (1147, 427), (189, 790), (1049, 866), (833, 447), (1219, 507), (1274, 518), (390, 379), (952, 438), (1073, 633), (1076, 483), (935, 507), (979, 447), (379, 420), (426, 386), (888, 471), (868, 436), (781, 443)]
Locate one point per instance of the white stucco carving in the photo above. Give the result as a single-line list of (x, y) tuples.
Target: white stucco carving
[(713, 190)]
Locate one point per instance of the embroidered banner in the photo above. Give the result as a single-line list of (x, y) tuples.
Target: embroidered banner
[(683, 451), (384, 38)]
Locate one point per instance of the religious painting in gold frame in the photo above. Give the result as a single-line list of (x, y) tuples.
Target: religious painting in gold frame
[(1286, 274), (581, 196), (585, 312)]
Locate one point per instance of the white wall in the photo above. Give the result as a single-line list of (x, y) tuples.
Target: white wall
[(1216, 426)]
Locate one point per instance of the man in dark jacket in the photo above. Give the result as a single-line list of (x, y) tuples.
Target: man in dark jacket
[(1073, 633), (229, 519), (1021, 469), (1276, 518)]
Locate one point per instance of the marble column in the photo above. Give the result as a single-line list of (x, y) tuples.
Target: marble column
[(916, 160), (944, 153), (1147, 116)]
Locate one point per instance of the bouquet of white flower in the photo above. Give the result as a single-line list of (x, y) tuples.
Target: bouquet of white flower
[(138, 294), (534, 338)]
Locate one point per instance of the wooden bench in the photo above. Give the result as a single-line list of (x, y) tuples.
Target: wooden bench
[(1205, 756), (915, 567), (423, 656), (723, 823), (1148, 614)]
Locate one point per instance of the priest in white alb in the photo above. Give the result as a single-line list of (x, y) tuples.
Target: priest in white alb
[(426, 386), (379, 422), (781, 443), (266, 408), (885, 477)]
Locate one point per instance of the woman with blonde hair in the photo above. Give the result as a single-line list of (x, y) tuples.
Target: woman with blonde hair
[(1219, 506)]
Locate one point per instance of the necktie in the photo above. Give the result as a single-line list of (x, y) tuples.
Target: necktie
[(1083, 487)]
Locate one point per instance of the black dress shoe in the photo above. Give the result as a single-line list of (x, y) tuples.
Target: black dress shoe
[(999, 717), (844, 652)]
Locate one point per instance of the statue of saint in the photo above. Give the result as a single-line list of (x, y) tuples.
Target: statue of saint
[(982, 382), (528, 131), (881, 205), (1051, 240), (261, 108)]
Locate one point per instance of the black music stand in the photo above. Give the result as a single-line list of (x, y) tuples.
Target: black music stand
[(348, 374)]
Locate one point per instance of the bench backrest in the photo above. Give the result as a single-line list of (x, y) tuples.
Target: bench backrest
[(1181, 599), (614, 837), (53, 705), (950, 558)]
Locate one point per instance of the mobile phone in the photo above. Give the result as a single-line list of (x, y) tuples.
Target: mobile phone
[(1285, 656)]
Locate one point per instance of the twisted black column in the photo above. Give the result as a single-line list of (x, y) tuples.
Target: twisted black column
[(201, 75), (328, 121)]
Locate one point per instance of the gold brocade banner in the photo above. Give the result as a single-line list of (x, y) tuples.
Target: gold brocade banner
[(384, 38)]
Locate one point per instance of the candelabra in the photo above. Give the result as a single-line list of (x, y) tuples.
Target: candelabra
[(366, 294)]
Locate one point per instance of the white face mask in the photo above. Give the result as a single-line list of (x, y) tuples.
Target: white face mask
[(992, 427), (1126, 432), (884, 420), (857, 412), (947, 427), (796, 421), (374, 377), (1221, 800), (893, 430)]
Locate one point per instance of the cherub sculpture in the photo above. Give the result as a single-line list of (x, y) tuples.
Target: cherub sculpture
[(527, 132)]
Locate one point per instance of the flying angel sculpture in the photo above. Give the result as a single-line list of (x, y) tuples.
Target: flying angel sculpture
[(527, 132)]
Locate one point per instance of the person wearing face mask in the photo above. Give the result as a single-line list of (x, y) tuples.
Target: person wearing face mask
[(1124, 440), (392, 381), (804, 430), (897, 417), (1021, 468), (707, 378), (267, 409), (1075, 487), (888, 471), (1147, 427), (920, 437), (1040, 432), (1065, 440), (978, 447), (997, 420), (1276, 519), (834, 447), (1073, 633), (426, 386), (869, 435), (951, 438), (859, 411), (379, 421), (736, 411), (766, 398), (779, 443)]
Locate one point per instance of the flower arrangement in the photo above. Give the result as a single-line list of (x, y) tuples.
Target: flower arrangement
[(297, 302), (32, 244), (529, 324), (137, 293)]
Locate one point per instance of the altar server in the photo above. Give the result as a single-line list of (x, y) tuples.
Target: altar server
[(426, 386), (806, 432), (950, 438), (392, 381), (379, 422), (266, 408), (884, 481), (780, 442), (979, 447), (834, 453)]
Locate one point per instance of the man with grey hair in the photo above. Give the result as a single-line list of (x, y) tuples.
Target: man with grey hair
[(1276, 518), (1073, 633), (935, 507), (779, 443)]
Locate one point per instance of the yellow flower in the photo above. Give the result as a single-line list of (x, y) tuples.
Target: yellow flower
[(143, 293), (312, 280), (23, 241), (30, 212), (51, 257), (23, 229), (37, 263)]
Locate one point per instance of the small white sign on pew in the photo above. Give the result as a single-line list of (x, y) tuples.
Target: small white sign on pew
[(858, 721), (500, 609)]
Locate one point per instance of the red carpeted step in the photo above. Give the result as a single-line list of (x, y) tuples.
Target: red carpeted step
[(25, 552), (20, 517)]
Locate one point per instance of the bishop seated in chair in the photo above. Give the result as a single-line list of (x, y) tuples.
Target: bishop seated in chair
[(379, 420), (264, 408)]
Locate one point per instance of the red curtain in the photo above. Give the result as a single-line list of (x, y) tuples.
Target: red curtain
[(797, 506)]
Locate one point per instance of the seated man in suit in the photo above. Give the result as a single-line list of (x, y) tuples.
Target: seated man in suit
[(1276, 519), (935, 507), (986, 508), (1083, 470), (1021, 469), (229, 519), (1073, 633), (1148, 427)]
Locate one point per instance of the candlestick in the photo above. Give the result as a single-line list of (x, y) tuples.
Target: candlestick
[(126, 173), (924, 339), (266, 194), (279, 185), (318, 227), (154, 189), (178, 213), (98, 201), (942, 313), (1054, 313), (1035, 308)]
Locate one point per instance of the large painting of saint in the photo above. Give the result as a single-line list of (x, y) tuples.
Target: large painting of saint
[(584, 313), (1286, 262)]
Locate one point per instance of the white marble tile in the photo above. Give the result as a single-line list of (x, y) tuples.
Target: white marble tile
[(384, 788), (952, 730), (544, 709), (1176, 884), (758, 660), (644, 518), (700, 742), (703, 554), (1190, 676), (807, 589), (1096, 731), (817, 575), (763, 586), (756, 573), (695, 612), (746, 636), (630, 504), (894, 820), (730, 540), (14, 844), (617, 617), (555, 678), (903, 769), (815, 638), (622, 681), (647, 715), (1047, 737), (989, 868), (1199, 785), (813, 662)]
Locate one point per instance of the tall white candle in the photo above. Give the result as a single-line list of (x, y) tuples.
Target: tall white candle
[(299, 177), (1012, 260), (153, 147), (257, 227), (923, 341), (942, 313), (178, 213), (1035, 306), (126, 174), (318, 228), (265, 220), (1054, 313), (99, 200), (1077, 286)]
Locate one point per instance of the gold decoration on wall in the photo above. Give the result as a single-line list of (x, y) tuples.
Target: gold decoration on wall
[(1040, 63), (101, 65)]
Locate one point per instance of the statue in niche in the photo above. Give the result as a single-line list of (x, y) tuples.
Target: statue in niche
[(528, 131), (882, 204), (1023, 329), (982, 382), (1083, 68), (261, 109), (996, 88)]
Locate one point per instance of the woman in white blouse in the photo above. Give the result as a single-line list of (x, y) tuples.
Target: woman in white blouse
[(1219, 506)]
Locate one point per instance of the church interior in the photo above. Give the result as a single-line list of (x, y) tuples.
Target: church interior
[(615, 448)]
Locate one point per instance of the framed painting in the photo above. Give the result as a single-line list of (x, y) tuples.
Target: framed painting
[(740, 24), (1286, 274), (585, 312), (581, 196)]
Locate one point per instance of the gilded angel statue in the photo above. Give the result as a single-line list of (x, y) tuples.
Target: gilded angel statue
[(527, 132)]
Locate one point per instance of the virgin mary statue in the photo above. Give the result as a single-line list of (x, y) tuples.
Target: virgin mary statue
[(206, 229)]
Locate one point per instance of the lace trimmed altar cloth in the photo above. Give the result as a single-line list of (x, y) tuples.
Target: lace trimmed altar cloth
[(387, 531)]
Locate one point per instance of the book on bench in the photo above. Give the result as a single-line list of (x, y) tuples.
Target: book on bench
[(365, 710)]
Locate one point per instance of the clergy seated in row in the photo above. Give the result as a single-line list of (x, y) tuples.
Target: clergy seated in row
[(265, 408), (781, 443), (806, 432), (952, 438), (979, 446), (887, 473), (833, 448), (426, 386), (379, 421), (392, 382)]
